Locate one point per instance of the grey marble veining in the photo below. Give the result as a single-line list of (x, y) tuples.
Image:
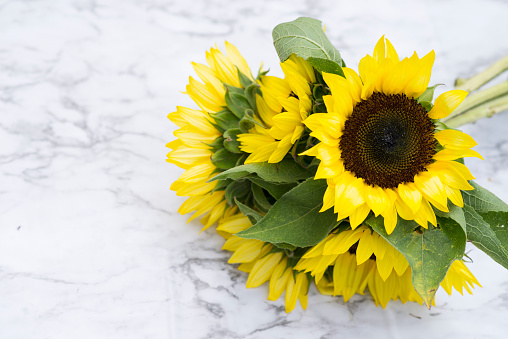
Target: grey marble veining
[(91, 245)]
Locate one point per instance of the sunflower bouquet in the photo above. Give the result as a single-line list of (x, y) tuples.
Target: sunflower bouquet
[(352, 180)]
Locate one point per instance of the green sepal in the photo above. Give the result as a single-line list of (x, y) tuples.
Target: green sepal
[(253, 215), (285, 246), (237, 102), (285, 171), (224, 120), (241, 159), (224, 159), (234, 89), (295, 218), (430, 252), (231, 142), (427, 105), (250, 94), (275, 190), (318, 91), (221, 185), (487, 222), (248, 121), (305, 38), (237, 190), (260, 199), (245, 81), (217, 144), (428, 95)]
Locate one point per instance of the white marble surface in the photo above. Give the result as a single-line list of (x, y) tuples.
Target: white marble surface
[(91, 245)]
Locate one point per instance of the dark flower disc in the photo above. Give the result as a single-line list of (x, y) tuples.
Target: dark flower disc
[(387, 140)]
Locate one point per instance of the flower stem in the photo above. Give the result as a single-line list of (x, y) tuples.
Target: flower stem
[(479, 98), (486, 109), (482, 78), (484, 103)]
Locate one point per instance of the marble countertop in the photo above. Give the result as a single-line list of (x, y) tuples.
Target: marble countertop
[(91, 245)]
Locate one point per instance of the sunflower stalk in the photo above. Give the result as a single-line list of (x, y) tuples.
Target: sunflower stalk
[(485, 110), (482, 78), (479, 105), (484, 103)]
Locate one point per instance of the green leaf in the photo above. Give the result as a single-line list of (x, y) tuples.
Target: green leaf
[(487, 222), (455, 213), (325, 65), (482, 200), (492, 241), (253, 216), (275, 190), (295, 218), (260, 199), (429, 252), (286, 171), (305, 38), (231, 142)]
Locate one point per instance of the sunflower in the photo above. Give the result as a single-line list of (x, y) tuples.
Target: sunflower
[(381, 150), (283, 106), (193, 149), (263, 262), (348, 262)]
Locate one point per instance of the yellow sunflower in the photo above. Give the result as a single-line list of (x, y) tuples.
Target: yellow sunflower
[(192, 150), (263, 262), (283, 106), (361, 259), (380, 149)]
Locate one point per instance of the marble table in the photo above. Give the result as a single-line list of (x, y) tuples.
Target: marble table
[(91, 245)]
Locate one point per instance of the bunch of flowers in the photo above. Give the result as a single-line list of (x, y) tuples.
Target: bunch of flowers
[(351, 180)]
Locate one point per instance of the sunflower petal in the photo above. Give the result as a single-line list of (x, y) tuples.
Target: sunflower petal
[(447, 103)]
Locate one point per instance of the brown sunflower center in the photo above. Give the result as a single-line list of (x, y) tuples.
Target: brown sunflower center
[(388, 140)]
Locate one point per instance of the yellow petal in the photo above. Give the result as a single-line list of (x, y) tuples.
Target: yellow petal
[(453, 154), (263, 269), (451, 138), (419, 83), (446, 103), (376, 198), (359, 215), (238, 60), (365, 248), (410, 195)]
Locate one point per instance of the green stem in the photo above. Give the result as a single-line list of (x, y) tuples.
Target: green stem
[(479, 98), (486, 109), (482, 78)]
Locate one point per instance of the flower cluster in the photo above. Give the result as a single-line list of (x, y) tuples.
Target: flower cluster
[(346, 179)]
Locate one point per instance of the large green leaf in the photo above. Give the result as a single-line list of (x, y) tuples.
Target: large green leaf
[(482, 200), (253, 216), (429, 252), (286, 171), (275, 190), (480, 233), (487, 222), (295, 219), (305, 37)]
